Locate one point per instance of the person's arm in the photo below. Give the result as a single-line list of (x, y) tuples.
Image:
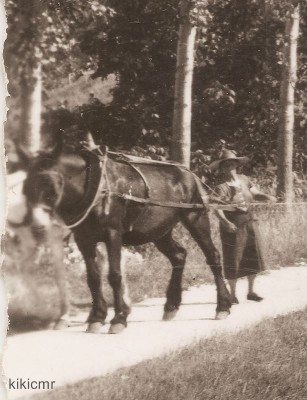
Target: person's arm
[(260, 196), (229, 226), (221, 196)]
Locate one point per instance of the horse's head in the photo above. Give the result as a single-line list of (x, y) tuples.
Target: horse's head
[(56, 182), (56, 186), (42, 184), (43, 189)]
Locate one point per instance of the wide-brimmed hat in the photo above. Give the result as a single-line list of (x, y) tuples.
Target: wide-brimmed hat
[(225, 156)]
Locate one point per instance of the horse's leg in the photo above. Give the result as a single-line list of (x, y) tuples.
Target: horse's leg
[(55, 242), (198, 224), (122, 309), (52, 237), (177, 256), (99, 309)]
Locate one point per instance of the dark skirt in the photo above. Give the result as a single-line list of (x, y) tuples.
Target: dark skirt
[(242, 251)]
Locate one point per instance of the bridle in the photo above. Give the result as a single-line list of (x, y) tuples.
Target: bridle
[(59, 175), (99, 191)]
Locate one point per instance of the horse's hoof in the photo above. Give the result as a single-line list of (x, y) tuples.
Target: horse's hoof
[(116, 328), (220, 315), (61, 324), (94, 327), (169, 315)]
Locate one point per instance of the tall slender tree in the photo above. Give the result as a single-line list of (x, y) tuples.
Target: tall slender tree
[(24, 57), (181, 139), (41, 48), (287, 92), (31, 107)]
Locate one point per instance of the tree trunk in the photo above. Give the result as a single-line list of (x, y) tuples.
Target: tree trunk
[(31, 76), (285, 140), (181, 140), (31, 107)]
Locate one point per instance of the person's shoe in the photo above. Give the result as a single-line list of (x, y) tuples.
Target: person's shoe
[(234, 300), (254, 297)]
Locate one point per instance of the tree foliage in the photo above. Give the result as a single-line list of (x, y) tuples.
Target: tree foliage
[(237, 66), (48, 31), (237, 71)]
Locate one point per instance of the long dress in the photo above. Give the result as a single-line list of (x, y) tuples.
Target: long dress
[(243, 250)]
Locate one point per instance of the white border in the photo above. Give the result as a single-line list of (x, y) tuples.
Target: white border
[(3, 203)]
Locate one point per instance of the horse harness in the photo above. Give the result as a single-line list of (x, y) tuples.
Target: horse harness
[(101, 159)]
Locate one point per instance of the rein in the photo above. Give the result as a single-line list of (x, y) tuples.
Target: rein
[(108, 193), (171, 204), (153, 202)]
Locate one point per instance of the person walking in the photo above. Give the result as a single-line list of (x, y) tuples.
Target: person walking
[(241, 240)]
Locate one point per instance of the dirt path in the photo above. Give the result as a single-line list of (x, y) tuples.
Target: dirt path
[(71, 355)]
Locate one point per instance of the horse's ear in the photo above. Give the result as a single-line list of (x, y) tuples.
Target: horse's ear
[(89, 141), (90, 144)]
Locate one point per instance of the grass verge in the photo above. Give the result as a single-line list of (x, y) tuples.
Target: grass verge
[(268, 361)]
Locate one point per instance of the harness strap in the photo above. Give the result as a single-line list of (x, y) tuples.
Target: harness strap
[(170, 204), (132, 160), (89, 209), (146, 200), (147, 187), (107, 202), (153, 202)]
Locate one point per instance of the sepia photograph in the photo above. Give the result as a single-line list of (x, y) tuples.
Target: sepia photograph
[(154, 200)]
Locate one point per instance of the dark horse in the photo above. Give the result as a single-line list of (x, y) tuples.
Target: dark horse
[(108, 197)]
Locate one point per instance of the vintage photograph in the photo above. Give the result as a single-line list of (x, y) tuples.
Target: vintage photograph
[(156, 220)]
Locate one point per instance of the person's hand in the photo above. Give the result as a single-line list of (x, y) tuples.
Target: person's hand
[(230, 227)]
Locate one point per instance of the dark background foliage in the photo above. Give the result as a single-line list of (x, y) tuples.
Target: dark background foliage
[(237, 71)]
